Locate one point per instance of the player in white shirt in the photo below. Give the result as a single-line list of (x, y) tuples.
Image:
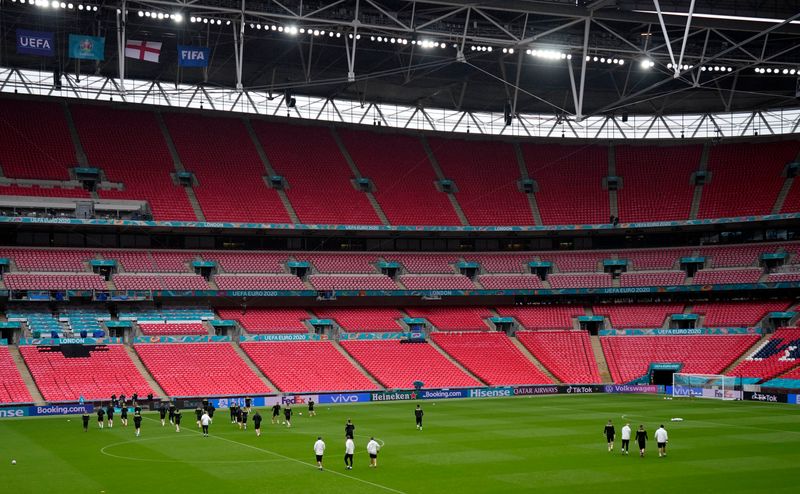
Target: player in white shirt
[(372, 448), (626, 438), (205, 421), (319, 450), (349, 450), (661, 439)]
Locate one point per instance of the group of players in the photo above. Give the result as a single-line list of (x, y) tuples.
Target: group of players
[(660, 436)]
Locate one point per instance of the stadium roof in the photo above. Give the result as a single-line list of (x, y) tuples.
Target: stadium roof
[(534, 56)]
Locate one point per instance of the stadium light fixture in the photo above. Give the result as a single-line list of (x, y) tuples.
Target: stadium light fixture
[(647, 64), (178, 18)]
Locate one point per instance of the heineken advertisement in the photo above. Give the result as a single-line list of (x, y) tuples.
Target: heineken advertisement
[(394, 396)]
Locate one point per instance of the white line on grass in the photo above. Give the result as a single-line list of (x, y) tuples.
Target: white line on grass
[(289, 458)]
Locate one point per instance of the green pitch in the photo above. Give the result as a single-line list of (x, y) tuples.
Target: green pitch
[(541, 444)]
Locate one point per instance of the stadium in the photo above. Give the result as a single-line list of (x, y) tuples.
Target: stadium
[(517, 219)]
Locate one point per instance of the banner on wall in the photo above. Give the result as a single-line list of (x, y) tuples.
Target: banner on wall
[(37, 43)]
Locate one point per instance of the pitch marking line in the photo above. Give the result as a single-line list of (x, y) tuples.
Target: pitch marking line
[(289, 458)]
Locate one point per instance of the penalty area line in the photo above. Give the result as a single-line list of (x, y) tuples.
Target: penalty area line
[(289, 458)]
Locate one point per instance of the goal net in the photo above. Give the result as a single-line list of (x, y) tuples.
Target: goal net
[(706, 386)]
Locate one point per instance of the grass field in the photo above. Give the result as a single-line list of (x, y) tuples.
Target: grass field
[(541, 444)]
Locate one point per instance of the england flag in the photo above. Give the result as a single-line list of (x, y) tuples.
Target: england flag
[(149, 51)]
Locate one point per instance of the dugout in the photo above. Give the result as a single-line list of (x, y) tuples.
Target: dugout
[(661, 372)]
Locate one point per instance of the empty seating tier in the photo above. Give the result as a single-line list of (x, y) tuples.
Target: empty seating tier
[(152, 282), (723, 276), (567, 354), (352, 282), (398, 365), (629, 357), (453, 318), (363, 319), (492, 357), (106, 371), (774, 356), (248, 262), (430, 282), (653, 278), (543, 316), (54, 282), (637, 315), (200, 369), (264, 321), (71, 260), (340, 262), (12, 387), (510, 282), (307, 366), (587, 280), (743, 314)]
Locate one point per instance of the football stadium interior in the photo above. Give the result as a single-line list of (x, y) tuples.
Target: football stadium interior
[(226, 199)]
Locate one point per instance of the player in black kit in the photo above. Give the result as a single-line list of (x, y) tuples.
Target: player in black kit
[(177, 420), (100, 414), (123, 414), (234, 412), (641, 438), (276, 412), (257, 422), (162, 412), (85, 418), (171, 412), (610, 433), (349, 429), (311, 412), (418, 413), (110, 413), (287, 414), (243, 413), (198, 412), (137, 423)]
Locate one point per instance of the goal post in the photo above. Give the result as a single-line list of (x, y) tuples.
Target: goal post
[(713, 386)]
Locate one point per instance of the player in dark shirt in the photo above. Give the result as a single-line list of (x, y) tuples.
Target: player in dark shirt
[(276, 412), (418, 413), (311, 411), (198, 412), (234, 412), (177, 420), (101, 413), (171, 412), (110, 413), (211, 409), (257, 422), (287, 414), (349, 429), (641, 438), (85, 418), (610, 433), (123, 414), (244, 414), (137, 408), (137, 423), (162, 412)]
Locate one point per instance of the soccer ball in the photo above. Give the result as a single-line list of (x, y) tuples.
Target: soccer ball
[(13, 462), (300, 413), (284, 423)]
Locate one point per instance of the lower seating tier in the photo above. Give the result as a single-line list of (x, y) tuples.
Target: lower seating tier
[(12, 387), (567, 354)]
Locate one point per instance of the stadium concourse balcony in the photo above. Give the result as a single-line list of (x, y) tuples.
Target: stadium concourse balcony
[(12, 387), (402, 175), (742, 314), (363, 319), (652, 278), (199, 369), (570, 180), (54, 282), (106, 371), (71, 260), (778, 354), (542, 316), (567, 354), (303, 156), (623, 316), (453, 318), (28, 152), (154, 282), (340, 262), (433, 282), (268, 320), (248, 262), (722, 276), (352, 282), (138, 158), (172, 328), (583, 280), (486, 175), (39, 191), (398, 365), (227, 167), (510, 282), (728, 163), (257, 282), (666, 176), (629, 357), (492, 357), (306, 366)]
